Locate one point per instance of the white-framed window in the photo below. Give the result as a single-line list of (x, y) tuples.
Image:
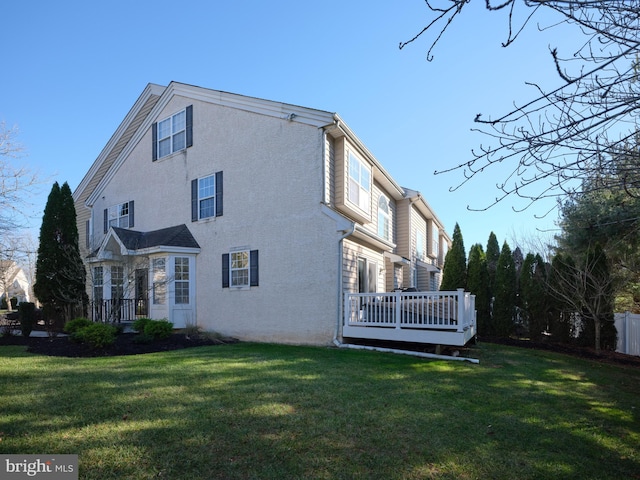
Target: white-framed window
[(419, 245), (240, 269), (435, 239), (159, 286), (98, 283), (359, 183), (207, 196), (117, 282), (119, 215), (181, 280), (172, 134), (367, 276), (384, 222)]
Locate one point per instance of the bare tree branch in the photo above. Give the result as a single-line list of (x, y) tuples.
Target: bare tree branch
[(559, 137), (16, 182)]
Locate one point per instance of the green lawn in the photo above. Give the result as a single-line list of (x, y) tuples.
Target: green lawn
[(249, 411)]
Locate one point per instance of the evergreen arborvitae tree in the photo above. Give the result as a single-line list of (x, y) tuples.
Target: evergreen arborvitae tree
[(60, 273), (540, 300), (535, 300), (493, 254), (454, 272), (504, 293), (525, 316), (478, 284)]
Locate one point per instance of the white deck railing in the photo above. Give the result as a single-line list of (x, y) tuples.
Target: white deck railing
[(451, 311)]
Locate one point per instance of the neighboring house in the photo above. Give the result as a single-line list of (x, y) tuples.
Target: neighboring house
[(249, 217), (13, 281)]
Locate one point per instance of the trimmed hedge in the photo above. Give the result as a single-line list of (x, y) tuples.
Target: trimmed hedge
[(158, 329), (76, 324), (98, 335)]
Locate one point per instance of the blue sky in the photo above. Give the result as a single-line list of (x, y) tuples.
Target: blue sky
[(72, 70)]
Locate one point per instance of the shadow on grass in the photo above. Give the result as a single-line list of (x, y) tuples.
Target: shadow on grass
[(266, 411)]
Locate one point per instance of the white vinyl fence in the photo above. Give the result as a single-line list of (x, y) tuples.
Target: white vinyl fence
[(628, 327)]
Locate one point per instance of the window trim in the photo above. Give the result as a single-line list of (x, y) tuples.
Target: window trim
[(361, 203), (181, 281), (252, 267), (435, 240), (117, 282), (159, 281), (384, 218), (188, 134), (108, 216), (420, 244), (195, 197), (98, 283)]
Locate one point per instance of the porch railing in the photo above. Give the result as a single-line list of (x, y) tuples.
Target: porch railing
[(118, 310), (452, 311)]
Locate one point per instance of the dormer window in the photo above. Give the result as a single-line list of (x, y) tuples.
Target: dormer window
[(359, 183)]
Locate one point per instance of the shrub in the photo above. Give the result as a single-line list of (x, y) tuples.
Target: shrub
[(27, 315), (98, 335), (76, 324), (140, 323), (158, 329)]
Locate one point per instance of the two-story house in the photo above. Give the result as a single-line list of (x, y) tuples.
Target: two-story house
[(248, 217)]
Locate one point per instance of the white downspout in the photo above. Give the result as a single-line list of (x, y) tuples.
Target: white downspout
[(339, 318)]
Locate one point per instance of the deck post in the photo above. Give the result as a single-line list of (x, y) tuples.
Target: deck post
[(398, 309), (462, 319)]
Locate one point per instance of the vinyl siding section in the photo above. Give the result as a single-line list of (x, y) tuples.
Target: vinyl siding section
[(352, 251), (329, 171), (403, 228)]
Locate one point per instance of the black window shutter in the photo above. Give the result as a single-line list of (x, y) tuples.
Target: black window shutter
[(253, 268), (225, 270), (218, 194), (154, 136), (189, 125), (106, 220), (194, 200), (131, 214), (87, 233)]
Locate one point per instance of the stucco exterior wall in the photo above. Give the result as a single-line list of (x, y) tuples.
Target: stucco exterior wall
[(273, 171)]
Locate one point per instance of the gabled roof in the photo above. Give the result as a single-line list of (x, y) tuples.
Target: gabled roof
[(121, 242), (423, 206)]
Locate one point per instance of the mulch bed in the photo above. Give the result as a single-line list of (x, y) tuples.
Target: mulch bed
[(125, 344), (606, 356)]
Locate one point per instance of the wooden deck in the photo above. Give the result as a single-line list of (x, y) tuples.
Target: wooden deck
[(438, 318)]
